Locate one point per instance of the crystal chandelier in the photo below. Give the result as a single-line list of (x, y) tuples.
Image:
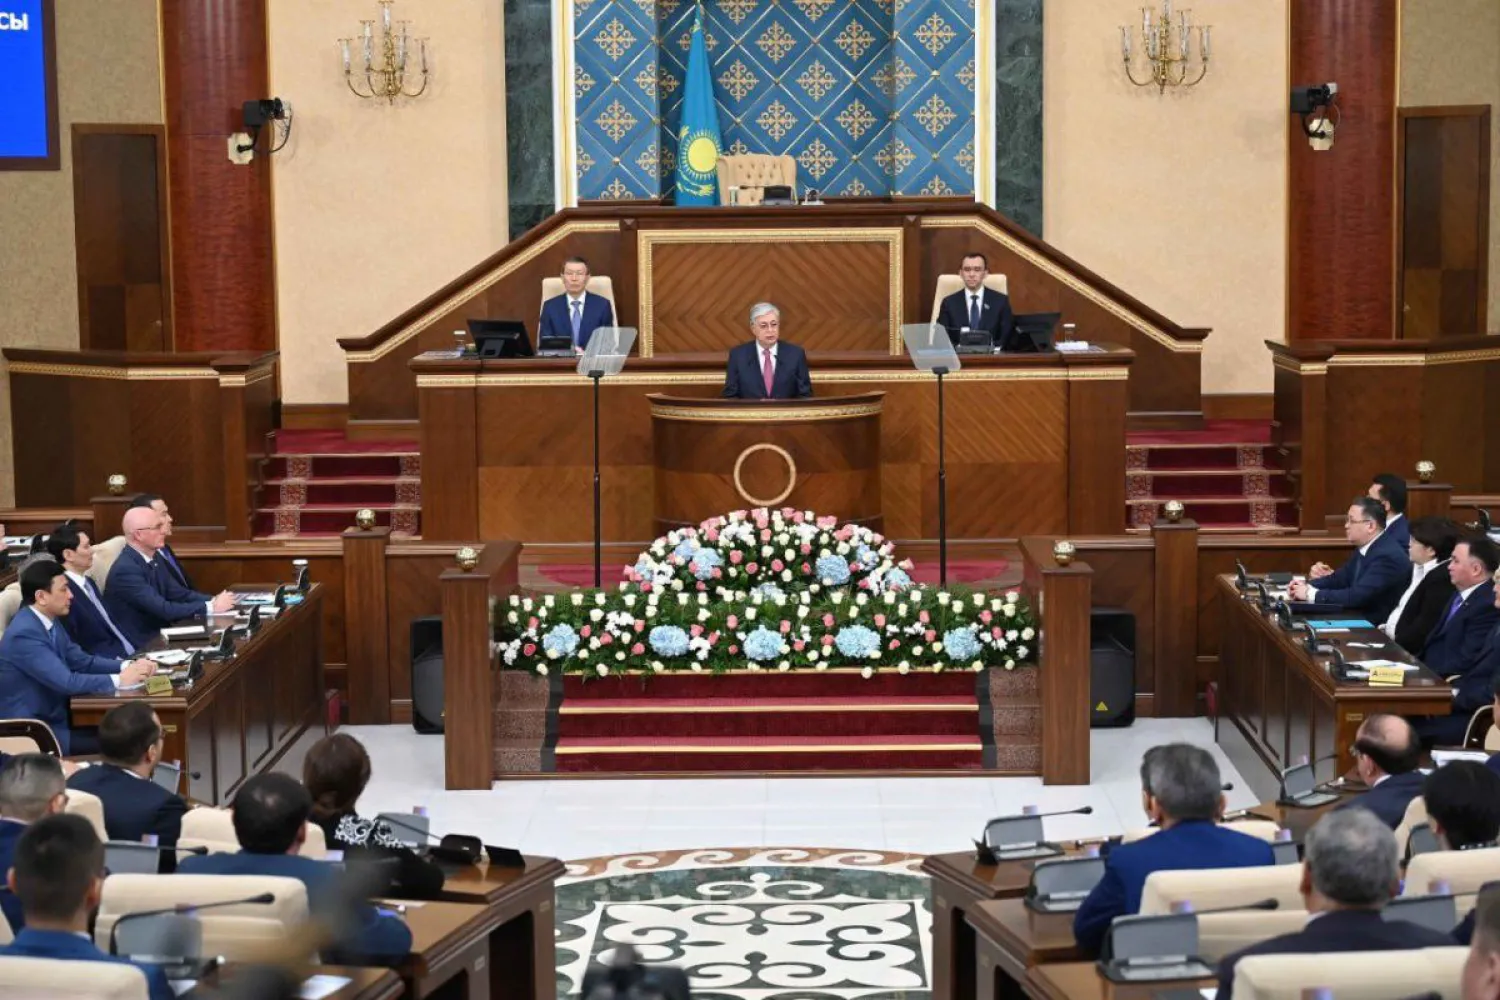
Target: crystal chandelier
[(385, 69), (1167, 48)]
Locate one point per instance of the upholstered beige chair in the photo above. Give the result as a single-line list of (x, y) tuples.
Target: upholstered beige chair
[(1215, 888), (1366, 975), (947, 284), (10, 603), (62, 980), (214, 829), (1415, 816), (105, 554), (1261, 829), (1221, 934), (1464, 871), (601, 285), (28, 736), (90, 807), (239, 933), (752, 173)]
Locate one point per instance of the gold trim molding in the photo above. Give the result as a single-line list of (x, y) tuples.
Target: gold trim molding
[(791, 476), (113, 374), (530, 379), (501, 271), (761, 749), (1291, 364), (756, 414), (240, 381), (648, 239)]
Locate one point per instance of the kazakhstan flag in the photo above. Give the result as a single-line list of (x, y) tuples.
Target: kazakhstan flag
[(698, 145)]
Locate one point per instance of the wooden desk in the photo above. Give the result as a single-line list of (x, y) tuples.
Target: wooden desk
[(959, 882), (364, 984), (1278, 703), (1082, 981), (1012, 939), (450, 952), (244, 715)]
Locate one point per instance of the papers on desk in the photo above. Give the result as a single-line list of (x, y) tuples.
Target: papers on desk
[(1074, 347), (1368, 664), (266, 611), (1339, 624), (1209, 993), (131, 687), (259, 597), (170, 657), (183, 632), (1442, 757), (181, 986), (317, 987)]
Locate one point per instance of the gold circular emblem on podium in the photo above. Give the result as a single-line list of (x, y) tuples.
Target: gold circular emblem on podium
[(791, 481)]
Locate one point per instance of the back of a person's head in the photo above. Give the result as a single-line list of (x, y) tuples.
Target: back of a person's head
[(1463, 799), (336, 771), (1390, 742), (142, 500), (65, 537), (1437, 533), (28, 784), (1352, 858), (1392, 489), (1486, 938), (1185, 782), (127, 732), (55, 864), (269, 811)]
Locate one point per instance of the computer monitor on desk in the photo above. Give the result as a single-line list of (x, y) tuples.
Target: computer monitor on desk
[(1033, 332), (500, 338)]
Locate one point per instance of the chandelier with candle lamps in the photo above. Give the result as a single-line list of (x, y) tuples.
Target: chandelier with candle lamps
[(385, 59), (1167, 45)]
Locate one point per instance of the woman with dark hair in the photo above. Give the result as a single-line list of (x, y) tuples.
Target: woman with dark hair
[(336, 771), (1430, 590)]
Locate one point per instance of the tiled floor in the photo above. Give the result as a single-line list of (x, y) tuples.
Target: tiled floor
[(580, 818)]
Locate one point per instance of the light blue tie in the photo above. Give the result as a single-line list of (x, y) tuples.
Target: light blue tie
[(88, 588), (577, 320)]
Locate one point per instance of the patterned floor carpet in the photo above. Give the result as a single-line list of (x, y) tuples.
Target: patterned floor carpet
[(755, 923)]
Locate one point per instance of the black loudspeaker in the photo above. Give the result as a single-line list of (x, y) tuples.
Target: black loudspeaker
[(1112, 667), (427, 674)]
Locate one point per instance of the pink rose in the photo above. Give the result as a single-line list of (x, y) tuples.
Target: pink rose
[(586, 631), (713, 637), (529, 649), (605, 638), (711, 535), (894, 643), (531, 622), (732, 621), (806, 569), (922, 617), (797, 517), (736, 557), (640, 624), (828, 621), (827, 522), (777, 566), (693, 567), (765, 534), (702, 585), (799, 645), (929, 635), (695, 630), (985, 616), (880, 621), (752, 568), (806, 549), (718, 573), (828, 640), (733, 649), (645, 588), (786, 627), (995, 632), (637, 649)]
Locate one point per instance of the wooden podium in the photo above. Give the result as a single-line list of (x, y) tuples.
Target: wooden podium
[(714, 455)]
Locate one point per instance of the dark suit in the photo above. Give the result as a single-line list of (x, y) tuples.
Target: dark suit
[(1389, 799), (1399, 528), (41, 669), (1424, 609), (1456, 641), (743, 378), (10, 903), (134, 807), (88, 625), (170, 560), (1192, 845), (144, 598), (1371, 583), (1472, 691), (557, 319), (380, 936), (995, 317), (71, 947), (1338, 931)]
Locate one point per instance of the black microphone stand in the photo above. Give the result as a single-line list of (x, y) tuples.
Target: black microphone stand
[(942, 484), (595, 375)]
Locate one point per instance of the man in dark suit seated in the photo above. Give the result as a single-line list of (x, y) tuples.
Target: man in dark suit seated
[(58, 876), (130, 738), (1183, 795), (1372, 580), (1481, 974), (767, 367), (41, 668), (1478, 686), (575, 313), (976, 307), (1463, 810), (270, 821), (1430, 589), (88, 623), (142, 594), (31, 788), (152, 502), (1386, 755), (1351, 870), (1453, 647), (1390, 490)]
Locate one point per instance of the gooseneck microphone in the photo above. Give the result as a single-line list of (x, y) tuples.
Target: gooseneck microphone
[(262, 899)]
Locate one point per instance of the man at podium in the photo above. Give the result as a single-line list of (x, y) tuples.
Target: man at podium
[(767, 367)]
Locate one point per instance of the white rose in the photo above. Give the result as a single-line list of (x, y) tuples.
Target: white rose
[(916, 596), (657, 666), (527, 604), (766, 551), (814, 588), (653, 598), (824, 553), (682, 599), (754, 667), (1012, 635), (867, 673), (861, 600), (541, 612), (890, 597), (853, 612), (595, 615), (577, 600), (651, 611), (976, 666), (791, 555), (820, 665), (513, 618), (620, 656), (541, 668), (676, 584), (802, 610), (1009, 610), (996, 604), (781, 600), (697, 667), (916, 651), (703, 614), (1021, 652), (783, 666), (599, 597), (602, 669), (838, 597), (1010, 664), (903, 667), (750, 614), (812, 653), (703, 598), (1012, 596), (629, 600), (551, 654), (583, 654), (943, 597), (515, 600), (733, 572), (843, 548), (786, 576), (937, 647), (901, 611), (549, 601)]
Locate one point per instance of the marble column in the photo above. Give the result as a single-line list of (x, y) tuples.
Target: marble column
[(528, 112), (1018, 111)]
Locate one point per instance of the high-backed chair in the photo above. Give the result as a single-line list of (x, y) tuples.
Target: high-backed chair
[(63, 980), (28, 736), (90, 807), (1415, 816), (601, 285), (1260, 829), (752, 173), (1464, 871), (105, 554), (214, 829), (239, 933), (10, 603), (1221, 934), (1214, 888), (947, 284), (1366, 975)]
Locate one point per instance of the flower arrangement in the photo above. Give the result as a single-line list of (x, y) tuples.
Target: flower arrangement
[(772, 590)]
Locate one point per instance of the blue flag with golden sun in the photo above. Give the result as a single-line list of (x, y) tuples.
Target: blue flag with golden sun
[(698, 147)]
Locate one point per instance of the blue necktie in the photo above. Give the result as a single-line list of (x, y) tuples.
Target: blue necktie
[(1453, 606), (973, 312), (577, 320), (88, 588), (56, 642)]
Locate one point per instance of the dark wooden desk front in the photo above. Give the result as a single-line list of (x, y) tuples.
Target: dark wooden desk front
[(1082, 981), (1011, 940), (244, 715), (363, 984), (959, 882)]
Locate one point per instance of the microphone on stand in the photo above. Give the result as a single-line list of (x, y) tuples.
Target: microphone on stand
[(184, 909)]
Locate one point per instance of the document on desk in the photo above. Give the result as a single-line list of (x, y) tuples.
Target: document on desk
[(1371, 664), (181, 986), (183, 632), (1442, 757), (1339, 624), (318, 987), (170, 657)]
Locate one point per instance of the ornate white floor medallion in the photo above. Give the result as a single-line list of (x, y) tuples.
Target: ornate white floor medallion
[(755, 924)]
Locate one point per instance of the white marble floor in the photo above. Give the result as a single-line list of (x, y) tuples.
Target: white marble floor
[(580, 818)]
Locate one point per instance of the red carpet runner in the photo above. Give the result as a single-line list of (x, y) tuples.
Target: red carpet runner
[(316, 480), (1224, 475)]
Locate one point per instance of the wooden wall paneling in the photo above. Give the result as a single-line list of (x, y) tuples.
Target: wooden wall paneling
[(1428, 499), (626, 275), (1301, 434), (469, 671), (1096, 452), (1450, 431), (48, 418), (913, 309), (120, 226), (367, 633), (182, 459), (450, 461), (1341, 227), (1124, 567), (412, 573), (1175, 610), (1361, 444), (40, 520), (1062, 595), (247, 404)]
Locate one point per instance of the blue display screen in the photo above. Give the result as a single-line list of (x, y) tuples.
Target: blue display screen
[(27, 129)]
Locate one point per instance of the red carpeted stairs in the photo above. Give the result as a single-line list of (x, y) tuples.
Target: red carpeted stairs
[(316, 480), (1224, 476), (827, 721)]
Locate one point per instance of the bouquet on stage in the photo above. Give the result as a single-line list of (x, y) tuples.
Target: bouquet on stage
[(772, 590)]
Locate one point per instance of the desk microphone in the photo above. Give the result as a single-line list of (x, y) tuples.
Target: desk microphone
[(1186, 906), (985, 851), (455, 848), (184, 909)]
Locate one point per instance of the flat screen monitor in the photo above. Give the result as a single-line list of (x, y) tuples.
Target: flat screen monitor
[(500, 338), (1033, 331), (28, 69)]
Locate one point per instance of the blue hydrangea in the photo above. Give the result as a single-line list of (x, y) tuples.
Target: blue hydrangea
[(961, 644), (763, 644), (866, 557), (769, 592), (705, 561), (686, 548), (560, 639), (668, 640), (832, 569), (897, 579), (856, 642)]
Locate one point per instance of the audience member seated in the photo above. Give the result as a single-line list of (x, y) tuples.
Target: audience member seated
[(1386, 755), (1390, 490), (336, 771), (270, 816), (31, 787), (58, 874), (1183, 794), (154, 503), (1452, 650), (1477, 687), (142, 593), (1463, 809), (1350, 871), (1431, 588), (130, 739), (41, 667), (1372, 580), (88, 622), (1481, 977)]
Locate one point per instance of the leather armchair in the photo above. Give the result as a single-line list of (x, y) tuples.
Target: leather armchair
[(752, 173)]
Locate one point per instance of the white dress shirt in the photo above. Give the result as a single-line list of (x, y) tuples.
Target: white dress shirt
[(47, 624), (1419, 573), (1312, 592)]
